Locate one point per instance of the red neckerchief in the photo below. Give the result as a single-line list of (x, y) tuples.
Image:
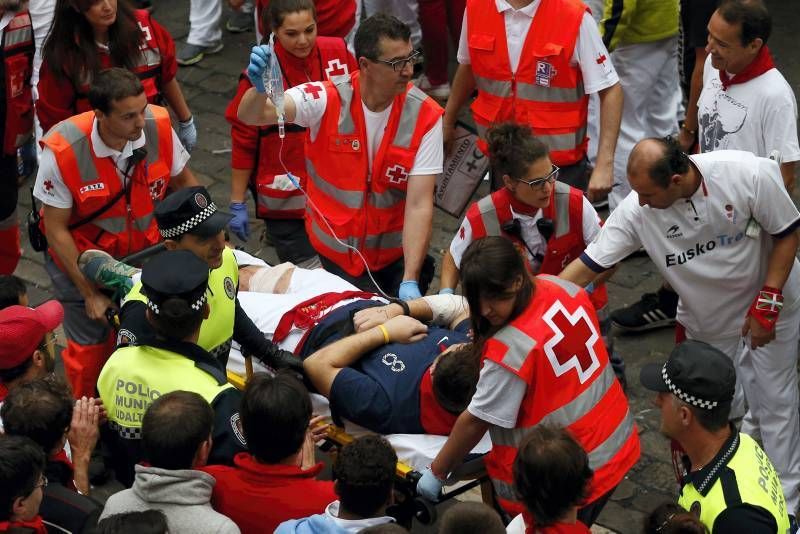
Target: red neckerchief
[(517, 205), (308, 313), (433, 418), (62, 458), (761, 64), (299, 70), (36, 524)]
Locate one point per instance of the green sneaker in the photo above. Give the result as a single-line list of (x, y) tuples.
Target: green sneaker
[(106, 272)]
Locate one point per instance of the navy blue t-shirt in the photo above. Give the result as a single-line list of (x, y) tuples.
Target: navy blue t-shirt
[(381, 391)]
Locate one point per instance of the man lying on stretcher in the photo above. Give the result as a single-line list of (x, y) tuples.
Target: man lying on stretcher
[(380, 368)]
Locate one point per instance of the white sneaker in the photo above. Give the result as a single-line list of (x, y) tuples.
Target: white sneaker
[(436, 91)]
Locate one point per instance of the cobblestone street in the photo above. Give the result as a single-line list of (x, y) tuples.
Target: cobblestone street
[(208, 88)]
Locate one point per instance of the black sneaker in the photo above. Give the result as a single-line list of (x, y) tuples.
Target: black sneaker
[(654, 310)]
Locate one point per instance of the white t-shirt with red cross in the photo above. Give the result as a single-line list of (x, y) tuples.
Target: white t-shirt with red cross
[(702, 244), (535, 242), (759, 115), (310, 100)]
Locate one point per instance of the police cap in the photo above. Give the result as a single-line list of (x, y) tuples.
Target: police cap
[(175, 274), (190, 210), (696, 373)]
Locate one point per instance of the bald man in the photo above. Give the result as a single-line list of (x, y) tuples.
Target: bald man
[(721, 228)]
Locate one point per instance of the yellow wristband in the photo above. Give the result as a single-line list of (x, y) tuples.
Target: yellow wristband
[(385, 334)]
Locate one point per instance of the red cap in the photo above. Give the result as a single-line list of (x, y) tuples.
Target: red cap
[(22, 330)]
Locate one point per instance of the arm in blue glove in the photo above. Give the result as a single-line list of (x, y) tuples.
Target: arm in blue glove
[(240, 224), (409, 290), (429, 486), (260, 61), (187, 133)]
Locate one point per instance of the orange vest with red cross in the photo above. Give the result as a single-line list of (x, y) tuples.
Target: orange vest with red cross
[(546, 91), (490, 215), (555, 346), (128, 226), (365, 207), (147, 65), (273, 202), (17, 49)]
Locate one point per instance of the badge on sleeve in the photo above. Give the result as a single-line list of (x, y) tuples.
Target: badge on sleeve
[(229, 289), (544, 73)]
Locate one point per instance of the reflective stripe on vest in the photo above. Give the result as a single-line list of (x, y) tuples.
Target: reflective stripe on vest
[(527, 91), (17, 65), (756, 483), (19, 33), (553, 141), (561, 200), (371, 241)]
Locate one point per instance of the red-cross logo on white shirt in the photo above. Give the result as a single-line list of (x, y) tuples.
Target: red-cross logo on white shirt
[(335, 69), (312, 89), (573, 351), (397, 174)]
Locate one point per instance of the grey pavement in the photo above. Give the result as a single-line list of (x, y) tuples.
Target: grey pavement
[(209, 86)]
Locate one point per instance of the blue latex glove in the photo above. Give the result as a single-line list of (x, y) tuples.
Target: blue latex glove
[(240, 224), (409, 289), (260, 60), (187, 134), (429, 486), (447, 291)]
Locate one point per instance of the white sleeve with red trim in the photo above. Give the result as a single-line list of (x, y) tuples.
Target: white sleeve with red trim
[(49, 187), (310, 100), (461, 241)]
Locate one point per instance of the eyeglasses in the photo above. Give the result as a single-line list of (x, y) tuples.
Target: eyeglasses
[(539, 183), (399, 64)]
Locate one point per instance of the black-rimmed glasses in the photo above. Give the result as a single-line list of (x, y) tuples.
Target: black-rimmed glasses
[(539, 183), (399, 64)]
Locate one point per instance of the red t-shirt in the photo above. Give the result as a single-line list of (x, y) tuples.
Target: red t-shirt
[(562, 528), (259, 497)]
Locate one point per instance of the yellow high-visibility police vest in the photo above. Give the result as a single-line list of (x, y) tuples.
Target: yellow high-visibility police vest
[(216, 332), (754, 482)]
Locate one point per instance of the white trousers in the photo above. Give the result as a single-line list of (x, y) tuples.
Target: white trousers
[(405, 10), (204, 17), (768, 377), (648, 74)]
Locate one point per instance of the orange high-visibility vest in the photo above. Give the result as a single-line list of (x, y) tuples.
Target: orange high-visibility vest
[(17, 49), (365, 207), (93, 182), (556, 348), (489, 215), (546, 92)]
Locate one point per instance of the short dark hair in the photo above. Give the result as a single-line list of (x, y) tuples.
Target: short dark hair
[(551, 474), (12, 289), (471, 518), (456, 376), (513, 149), (384, 528), (144, 522), (370, 32), (752, 15), (113, 84), (711, 420), (671, 518), (273, 16), (275, 412), (174, 427), (176, 318), (364, 474), (21, 464), (673, 161), (40, 410), (489, 267)]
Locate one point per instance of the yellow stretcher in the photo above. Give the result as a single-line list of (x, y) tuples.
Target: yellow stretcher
[(408, 505)]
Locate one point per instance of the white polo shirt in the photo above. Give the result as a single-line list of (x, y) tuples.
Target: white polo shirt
[(759, 115), (589, 48), (700, 244), (50, 188)]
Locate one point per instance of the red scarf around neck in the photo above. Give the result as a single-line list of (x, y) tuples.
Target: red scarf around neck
[(34, 525), (761, 64)]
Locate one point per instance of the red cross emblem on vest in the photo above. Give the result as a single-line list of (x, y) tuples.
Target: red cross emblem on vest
[(397, 174), (573, 341), (157, 189), (312, 89), (335, 69), (601, 58)]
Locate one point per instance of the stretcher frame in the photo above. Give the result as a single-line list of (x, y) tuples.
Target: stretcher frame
[(410, 505)]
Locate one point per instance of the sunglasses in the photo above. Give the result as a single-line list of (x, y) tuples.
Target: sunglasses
[(399, 64), (539, 183)]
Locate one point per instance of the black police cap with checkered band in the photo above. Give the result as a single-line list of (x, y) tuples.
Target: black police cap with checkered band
[(190, 210), (696, 373), (175, 274)]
